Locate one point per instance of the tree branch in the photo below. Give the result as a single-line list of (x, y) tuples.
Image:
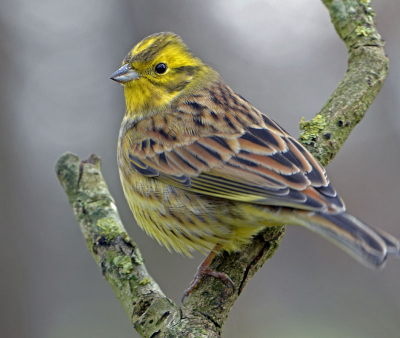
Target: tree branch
[(117, 255), (151, 312), (367, 69)]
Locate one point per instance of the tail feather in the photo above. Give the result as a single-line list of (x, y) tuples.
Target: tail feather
[(369, 246)]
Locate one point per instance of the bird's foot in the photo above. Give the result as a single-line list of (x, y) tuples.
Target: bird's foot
[(207, 271)]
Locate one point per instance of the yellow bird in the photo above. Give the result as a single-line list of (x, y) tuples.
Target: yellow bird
[(202, 169)]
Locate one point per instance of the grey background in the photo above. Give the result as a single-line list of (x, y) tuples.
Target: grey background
[(284, 57)]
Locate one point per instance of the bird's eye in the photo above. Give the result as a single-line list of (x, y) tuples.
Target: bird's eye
[(161, 68)]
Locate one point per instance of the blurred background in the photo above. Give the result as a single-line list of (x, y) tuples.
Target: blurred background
[(284, 57)]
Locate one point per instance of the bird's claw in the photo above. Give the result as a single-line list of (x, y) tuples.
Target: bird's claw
[(207, 271)]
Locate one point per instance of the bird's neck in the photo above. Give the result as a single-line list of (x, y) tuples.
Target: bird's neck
[(142, 101)]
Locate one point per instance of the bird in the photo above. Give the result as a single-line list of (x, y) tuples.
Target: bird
[(203, 169)]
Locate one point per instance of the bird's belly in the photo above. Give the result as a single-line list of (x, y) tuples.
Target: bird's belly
[(186, 221)]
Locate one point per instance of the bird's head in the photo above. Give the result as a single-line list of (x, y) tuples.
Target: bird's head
[(158, 70)]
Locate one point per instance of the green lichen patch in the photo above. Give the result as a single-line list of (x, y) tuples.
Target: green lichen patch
[(145, 281), (125, 266), (109, 228), (311, 129), (363, 31)]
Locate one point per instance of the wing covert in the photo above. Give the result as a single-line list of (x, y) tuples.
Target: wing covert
[(231, 151)]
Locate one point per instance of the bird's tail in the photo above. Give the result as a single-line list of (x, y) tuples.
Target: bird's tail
[(369, 246)]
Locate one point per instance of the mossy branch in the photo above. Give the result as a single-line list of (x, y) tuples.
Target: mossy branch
[(367, 69), (121, 263), (151, 312)]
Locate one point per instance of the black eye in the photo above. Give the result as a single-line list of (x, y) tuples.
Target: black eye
[(161, 68)]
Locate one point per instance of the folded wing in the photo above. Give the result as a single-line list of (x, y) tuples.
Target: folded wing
[(257, 162)]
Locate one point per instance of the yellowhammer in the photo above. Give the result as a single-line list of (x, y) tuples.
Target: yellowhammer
[(202, 169)]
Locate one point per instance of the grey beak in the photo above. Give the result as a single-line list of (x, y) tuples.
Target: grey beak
[(125, 74)]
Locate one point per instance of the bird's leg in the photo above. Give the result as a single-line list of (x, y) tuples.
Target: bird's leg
[(205, 270)]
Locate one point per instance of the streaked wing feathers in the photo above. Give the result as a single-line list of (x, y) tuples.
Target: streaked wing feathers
[(235, 153)]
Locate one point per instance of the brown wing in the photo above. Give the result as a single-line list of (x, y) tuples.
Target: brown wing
[(217, 144)]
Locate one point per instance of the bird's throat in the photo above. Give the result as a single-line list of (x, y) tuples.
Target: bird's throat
[(142, 101)]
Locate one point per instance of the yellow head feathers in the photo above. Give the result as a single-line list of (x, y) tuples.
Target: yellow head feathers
[(158, 70), (161, 47)]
